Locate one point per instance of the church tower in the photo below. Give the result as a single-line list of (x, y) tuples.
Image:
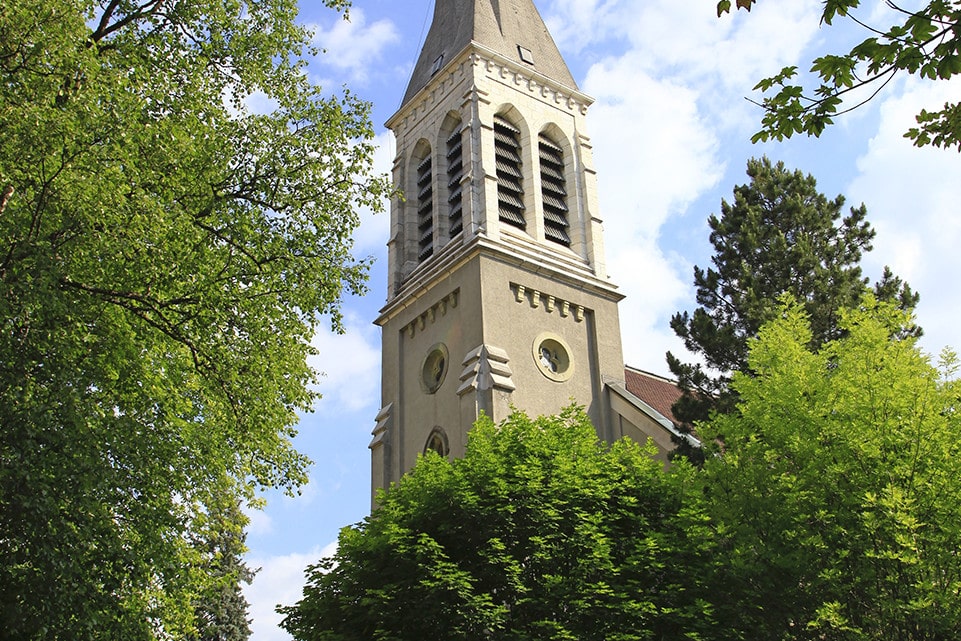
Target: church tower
[(498, 295)]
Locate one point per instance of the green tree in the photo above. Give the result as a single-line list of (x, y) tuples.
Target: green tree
[(924, 42), (779, 235), (221, 610), (539, 532), (837, 490), (165, 257)]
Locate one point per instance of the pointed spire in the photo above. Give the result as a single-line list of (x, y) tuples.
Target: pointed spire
[(511, 28)]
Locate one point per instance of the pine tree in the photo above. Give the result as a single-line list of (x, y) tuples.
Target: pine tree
[(221, 612), (779, 235)]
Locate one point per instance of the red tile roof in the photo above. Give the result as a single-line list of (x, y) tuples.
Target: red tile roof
[(658, 392)]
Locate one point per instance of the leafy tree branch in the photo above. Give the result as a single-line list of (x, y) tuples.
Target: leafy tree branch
[(925, 43), (165, 259)]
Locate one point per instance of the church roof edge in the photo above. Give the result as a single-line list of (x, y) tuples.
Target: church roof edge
[(511, 28), (575, 97)]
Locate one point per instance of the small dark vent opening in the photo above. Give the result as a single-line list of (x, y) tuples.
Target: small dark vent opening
[(526, 54), (425, 210), (553, 191), (510, 179)]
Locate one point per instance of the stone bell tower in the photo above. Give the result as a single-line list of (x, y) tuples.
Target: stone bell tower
[(498, 295)]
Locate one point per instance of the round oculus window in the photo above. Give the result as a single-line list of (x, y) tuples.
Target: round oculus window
[(435, 368), (553, 357)]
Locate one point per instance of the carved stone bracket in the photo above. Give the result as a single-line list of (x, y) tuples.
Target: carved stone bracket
[(486, 367), (507, 72), (497, 67), (550, 303), (381, 430), (427, 100), (429, 317)]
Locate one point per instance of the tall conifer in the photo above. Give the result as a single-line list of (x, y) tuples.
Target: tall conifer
[(780, 234), (221, 612)]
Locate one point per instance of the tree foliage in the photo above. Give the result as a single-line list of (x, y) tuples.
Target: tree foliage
[(924, 42), (540, 532), (828, 507), (165, 255), (220, 611), (779, 235), (838, 486)]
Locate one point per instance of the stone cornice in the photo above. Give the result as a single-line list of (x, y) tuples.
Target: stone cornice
[(497, 66), (532, 259), (423, 279), (536, 298), (428, 317)]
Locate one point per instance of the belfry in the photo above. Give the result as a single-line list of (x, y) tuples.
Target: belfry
[(498, 295)]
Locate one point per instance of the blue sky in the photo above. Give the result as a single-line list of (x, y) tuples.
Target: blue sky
[(671, 131)]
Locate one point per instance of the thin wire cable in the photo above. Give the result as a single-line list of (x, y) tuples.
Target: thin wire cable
[(420, 43)]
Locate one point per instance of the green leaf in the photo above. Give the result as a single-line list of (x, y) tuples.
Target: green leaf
[(539, 531), (922, 41), (160, 287)]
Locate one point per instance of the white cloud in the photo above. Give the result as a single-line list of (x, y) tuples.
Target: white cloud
[(354, 44), (349, 364), (755, 45), (579, 23), (649, 135), (280, 581), (260, 103), (257, 102), (372, 234), (260, 522), (654, 290), (665, 102), (687, 39), (655, 154), (914, 201), (719, 58)]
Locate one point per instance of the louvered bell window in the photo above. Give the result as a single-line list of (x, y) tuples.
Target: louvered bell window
[(553, 191), (425, 210), (510, 180), (455, 172)]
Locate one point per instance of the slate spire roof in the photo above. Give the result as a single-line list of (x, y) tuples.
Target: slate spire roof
[(511, 28)]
